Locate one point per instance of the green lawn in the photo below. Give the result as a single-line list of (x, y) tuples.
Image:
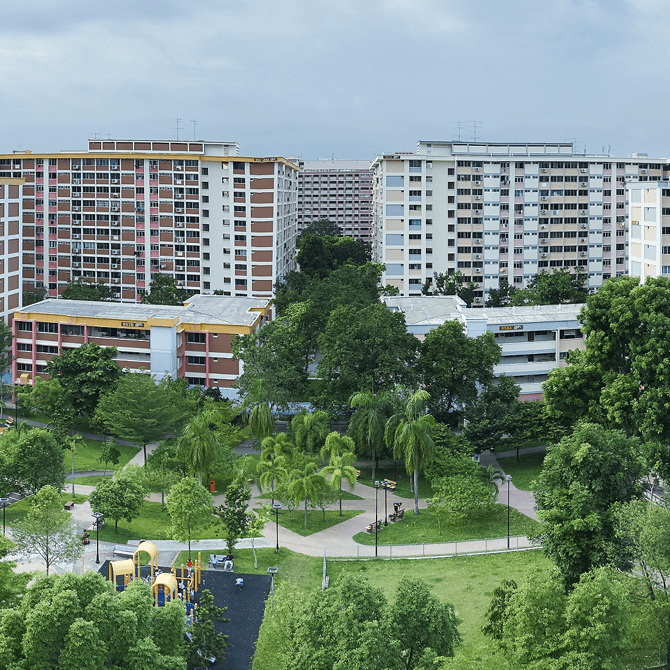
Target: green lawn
[(90, 481), (422, 528), (465, 581), (87, 456), (345, 496), (315, 521), (525, 470), (19, 510), (398, 475)]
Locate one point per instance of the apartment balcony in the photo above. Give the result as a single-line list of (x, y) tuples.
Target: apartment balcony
[(534, 368), (537, 346)]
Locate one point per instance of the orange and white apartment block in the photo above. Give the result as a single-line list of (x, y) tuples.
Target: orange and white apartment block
[(193, 341)]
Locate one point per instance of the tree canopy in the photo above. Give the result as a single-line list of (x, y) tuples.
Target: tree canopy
[(80, 289), (164, 291), (319, 255), (454, 283), (554, 288)]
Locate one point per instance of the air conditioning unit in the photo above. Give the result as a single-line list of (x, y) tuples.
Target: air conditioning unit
[(478, 299), (583, 211), (503, 270), (76, 181), (115, 209), (115, 281), (543, 240), (180, 253), (115, 252), (180, 224), (582, 253), (163, 266), (115, 237), (477, 183), (582, 225), (115, 181), (478, 255), (75, 265), (180, 283), (179, 209), (478, 197), (115, 266), (76, 236), (583, 184), (477, 169), (544, 197), (643, 171), (476, 241), (75, 208), (178, 181), (544, 255), (583, 170), (543, 169), (178, 167), (544, 225)]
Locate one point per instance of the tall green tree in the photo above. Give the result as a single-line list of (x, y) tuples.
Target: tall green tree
[(366, 348), (555, 288), (190, 507), (455, 283), (341, 456), (46, 530), (501, 296), (233, 514), (272, 465), (85, 373), (582, 478), (50, 398), (140, 410), (409, 434), (322, 227), (36, 295), (310, 430), (36, 461), (261, 421), (118, 498), (368, 423), (164, 291), (110, 454), (204, 641), (80, 289), (305, 484), (454, 367)]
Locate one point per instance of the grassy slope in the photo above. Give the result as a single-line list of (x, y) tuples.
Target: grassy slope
[(525, 470)]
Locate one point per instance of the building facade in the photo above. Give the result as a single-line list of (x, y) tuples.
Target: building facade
[(337, 190), (125, 210), (193, 341), (498, 211), (11, 197), (532, 340)]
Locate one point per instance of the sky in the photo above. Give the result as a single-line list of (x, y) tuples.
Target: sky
[(345, 79)]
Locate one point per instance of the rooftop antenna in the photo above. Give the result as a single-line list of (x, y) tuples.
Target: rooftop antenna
[(609, 147), (193, 121), (96, 136), (458, 126), (177, 127), (332, 156), (474, 129)]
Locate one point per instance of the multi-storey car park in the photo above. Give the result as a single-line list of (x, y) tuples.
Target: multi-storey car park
[(497, 210), (125, 210), (337, 190)]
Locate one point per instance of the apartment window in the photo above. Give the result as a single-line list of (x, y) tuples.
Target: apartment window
[(195, 360), (25, 326), (196, 338), (47, 327)]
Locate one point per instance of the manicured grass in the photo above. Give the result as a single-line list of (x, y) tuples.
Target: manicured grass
[(90, 481), (422, 528), (346, 495), (398, 475), (87, 456), (465, 581), (19, 510), (315, 521), (524, 471)]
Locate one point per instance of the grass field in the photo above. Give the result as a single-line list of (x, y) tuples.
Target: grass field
[(315, 521), (525, 470), (422, 528), (19, 510), (465, 581), (87, 456), (398, 475), (90, 481)]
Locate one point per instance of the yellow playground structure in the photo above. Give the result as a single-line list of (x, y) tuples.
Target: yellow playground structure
[(179, 584)]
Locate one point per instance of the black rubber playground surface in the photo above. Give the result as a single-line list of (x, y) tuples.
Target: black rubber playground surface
[(245, 610)]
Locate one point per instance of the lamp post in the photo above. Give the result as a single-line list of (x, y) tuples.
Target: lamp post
[(376, 523), (272, 572), (276, 507), (509, 481), (385, 484), (98, 516), (4, 502)]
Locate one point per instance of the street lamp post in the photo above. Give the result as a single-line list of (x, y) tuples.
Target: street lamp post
[(376, 522), (98, 516), (4, 502), (272, 572), (276, 507), (509, 481), (386, 511)]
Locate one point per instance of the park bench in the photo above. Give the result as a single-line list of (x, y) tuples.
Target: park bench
[(120, 550), (391, 485), (69, 505), (358, 474), (371, 527)]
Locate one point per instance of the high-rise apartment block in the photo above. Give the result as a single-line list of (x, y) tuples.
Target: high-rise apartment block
[(125, 210), (497, 211), (10, 254), (337, 190)]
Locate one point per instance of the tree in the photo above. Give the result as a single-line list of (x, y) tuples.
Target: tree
[(555, 288), (286, 498), (190, 506), (82, 649), (341, 450), (140, 410), (492, 414), (46, 530), (454, 283), (119, 498), (163, 465), (454, 367), (5, 348), (498, 610), (272, 465), (459, 497), (12, 585), (322, 227), (204, 641), (305, 484), (80, 289), (408, 433), (501, 296), (583, 476), (421, 621), (109, 453), (164, 291), (310, 430), (261, 421), (36, 295), (37, 461), (49, 397), (368, 423), (319, 255), (255, 524), (233, 514), (85, 373)]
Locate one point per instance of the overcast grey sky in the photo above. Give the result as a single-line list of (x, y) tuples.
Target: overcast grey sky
[(351, 78)]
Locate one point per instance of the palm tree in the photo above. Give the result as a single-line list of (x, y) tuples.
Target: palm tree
[(243, 470), (261, 421), (305, 484), (310, 430), (272, 465), (339, 466), (408, 433), (336, 445), (200, 440), (368, 423), (74, 441), (491, 475)]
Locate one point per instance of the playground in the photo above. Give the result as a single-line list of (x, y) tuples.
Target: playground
[(243, 595)]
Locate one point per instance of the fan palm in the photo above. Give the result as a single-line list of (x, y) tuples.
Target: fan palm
[(305, 484), (409, 433), (368, 423)]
